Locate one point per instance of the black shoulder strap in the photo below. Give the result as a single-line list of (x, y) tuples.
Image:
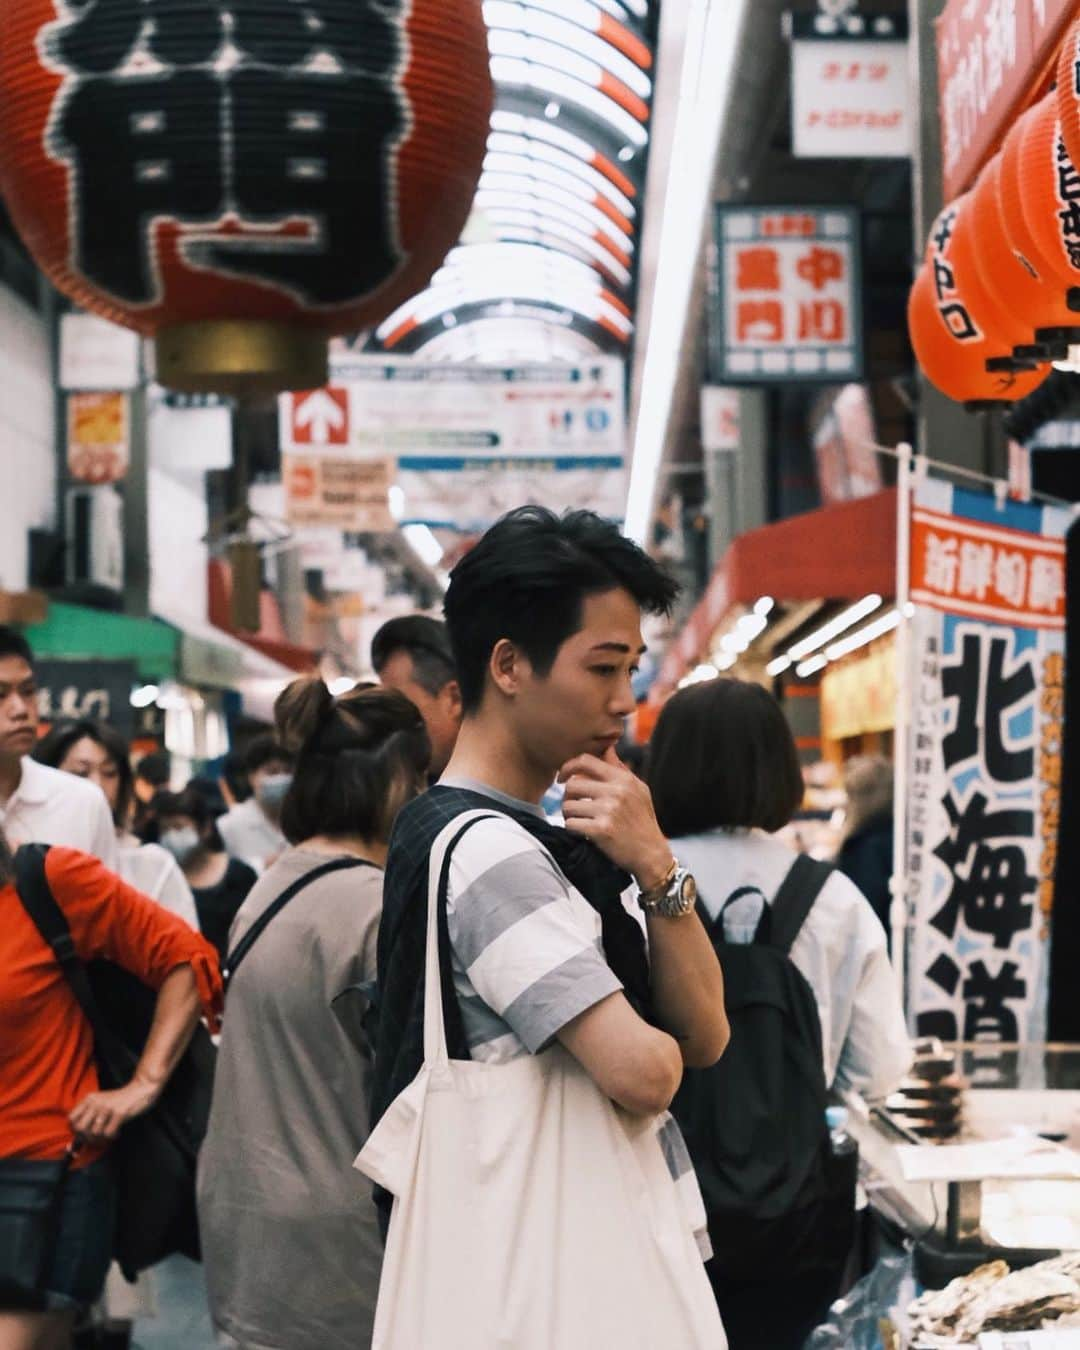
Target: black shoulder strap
[(232, 961), (32, 886), (795, 899)]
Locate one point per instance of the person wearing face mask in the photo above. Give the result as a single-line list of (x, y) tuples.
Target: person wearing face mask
[(186, 828), (97, 752), (251, 831)]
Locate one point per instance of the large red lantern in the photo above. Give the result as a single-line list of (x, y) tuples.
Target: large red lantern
[(1049, 193), (241, 178)]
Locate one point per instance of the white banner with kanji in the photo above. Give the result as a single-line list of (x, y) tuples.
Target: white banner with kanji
[(987, 583)]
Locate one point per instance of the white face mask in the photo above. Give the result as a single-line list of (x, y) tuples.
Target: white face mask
[(272, 790), (183, 843)]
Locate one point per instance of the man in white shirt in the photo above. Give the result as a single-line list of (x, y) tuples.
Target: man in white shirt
[(37, 804), (251, 831)]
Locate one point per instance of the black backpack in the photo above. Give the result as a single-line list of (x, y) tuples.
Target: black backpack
[(155, 1155), (775, 1196)]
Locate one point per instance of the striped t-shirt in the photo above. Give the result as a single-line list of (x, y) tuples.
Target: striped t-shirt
[(527, 957)]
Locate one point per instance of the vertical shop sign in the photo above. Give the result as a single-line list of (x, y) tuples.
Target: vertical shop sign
[(98, 437), (988, 589), (850, 96), (989, 52), (786, 295)]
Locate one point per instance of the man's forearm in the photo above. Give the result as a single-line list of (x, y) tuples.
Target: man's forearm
[(688, 988)]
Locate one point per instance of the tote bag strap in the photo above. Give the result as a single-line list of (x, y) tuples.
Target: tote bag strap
[(435, 1052)]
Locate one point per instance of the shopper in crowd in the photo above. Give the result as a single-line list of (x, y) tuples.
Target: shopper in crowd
[(185, 827), (412, 654), (39, 804), (290, 1240), (97, 752), (49, 1093), (725, 777), (233, 781), (544, 616), (866, 850), (152, 773), (251, 831)]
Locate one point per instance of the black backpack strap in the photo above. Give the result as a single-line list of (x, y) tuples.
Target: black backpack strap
[(232, 961), (33, 889), (795, 899)]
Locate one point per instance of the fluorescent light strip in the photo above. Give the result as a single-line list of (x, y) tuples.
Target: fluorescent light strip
[(424, 543), (563, 35), (778, 665), (812, 666), (540, 129), (835, 627), (521, 208), (516, 258), (437, 300), (522, 75), (537, 51), (877, 629), (523, 185), (523, 165), (534, 152), (709, 60), (519, 227)]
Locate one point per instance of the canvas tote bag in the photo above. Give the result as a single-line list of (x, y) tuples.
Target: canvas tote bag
[(529, 1213)]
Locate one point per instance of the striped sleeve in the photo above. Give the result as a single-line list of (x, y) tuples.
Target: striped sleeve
[(528, 947)]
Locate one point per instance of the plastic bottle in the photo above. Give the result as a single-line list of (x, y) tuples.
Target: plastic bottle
[(836, 1117)]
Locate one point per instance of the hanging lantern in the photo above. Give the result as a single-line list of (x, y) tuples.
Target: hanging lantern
[(1011, 280), (1049, 194), (1066, 96), (242, 178), (953, 325)]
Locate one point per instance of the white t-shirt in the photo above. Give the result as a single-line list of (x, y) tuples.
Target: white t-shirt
[(154, 871), (51, 807), (248, 834), (840, 951)]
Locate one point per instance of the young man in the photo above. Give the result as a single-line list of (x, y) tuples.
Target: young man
[(39, 805), (251, 831), (544, 618), (412, 654)]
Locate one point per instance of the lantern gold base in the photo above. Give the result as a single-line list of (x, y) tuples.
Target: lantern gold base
[(240, 357)]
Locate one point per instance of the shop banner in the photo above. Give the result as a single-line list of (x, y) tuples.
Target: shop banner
[(98, 437), (472, 441), (351, 494), (989, 54), (786, 295), (987, 641)]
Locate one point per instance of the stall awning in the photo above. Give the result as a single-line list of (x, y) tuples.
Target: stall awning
[(270, 639), (79, 633), (841, 551)]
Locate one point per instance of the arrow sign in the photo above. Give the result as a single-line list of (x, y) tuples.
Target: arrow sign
[(321, 417)]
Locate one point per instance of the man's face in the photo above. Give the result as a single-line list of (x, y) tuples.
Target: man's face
[(579, 706), (441, 712), (18, 706)]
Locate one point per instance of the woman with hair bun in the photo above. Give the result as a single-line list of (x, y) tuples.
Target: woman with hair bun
[(290, 1239)]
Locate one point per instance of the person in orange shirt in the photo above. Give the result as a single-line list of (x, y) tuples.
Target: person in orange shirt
[(49, 1092)]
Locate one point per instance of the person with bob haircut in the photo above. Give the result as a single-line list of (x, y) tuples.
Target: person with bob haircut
[(291, 1245), (725, 777), (99, 753), (540, 960), (251, 830)]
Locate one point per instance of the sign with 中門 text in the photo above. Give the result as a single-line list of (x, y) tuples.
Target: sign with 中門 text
[(471, 442), (984, 760), (989, 53), (850, 98), (786, 298)]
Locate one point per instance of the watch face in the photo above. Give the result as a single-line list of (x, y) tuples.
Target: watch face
[(688, 892)]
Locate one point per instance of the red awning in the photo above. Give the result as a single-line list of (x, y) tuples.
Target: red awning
[(838, 552), (270, 639)]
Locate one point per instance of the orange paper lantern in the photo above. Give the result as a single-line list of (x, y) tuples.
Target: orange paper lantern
[(1008, 275), (953, 350), (242, 175), (1049, 192)]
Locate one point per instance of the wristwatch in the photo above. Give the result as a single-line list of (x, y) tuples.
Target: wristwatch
[(674, 897)]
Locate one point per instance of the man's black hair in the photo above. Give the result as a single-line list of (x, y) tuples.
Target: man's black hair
[(427, 643), (527, 580), (155, 768), (14, 644), (265, 749)]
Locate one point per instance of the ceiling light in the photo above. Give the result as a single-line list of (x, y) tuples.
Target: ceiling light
[(396, 500), (552, 110), (344, 684), (144, 696), (847, 619), (752, 626), (626, 154), (812, 666), (426, 546), (765, 606), (778, 666), (724, 660), (877, 629)]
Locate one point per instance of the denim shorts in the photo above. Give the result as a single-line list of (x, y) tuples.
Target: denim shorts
[(84, 1239)]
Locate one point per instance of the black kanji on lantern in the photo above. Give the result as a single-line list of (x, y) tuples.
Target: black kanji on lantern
[(1068, 190), (264, 113), (989, 882), (961, 680)]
